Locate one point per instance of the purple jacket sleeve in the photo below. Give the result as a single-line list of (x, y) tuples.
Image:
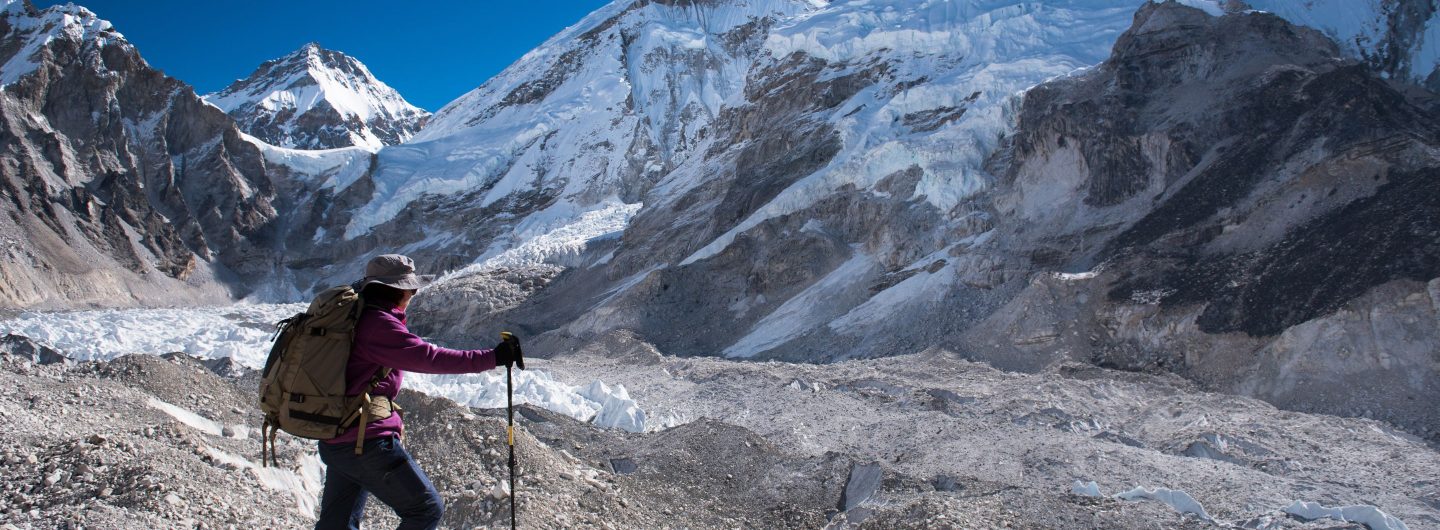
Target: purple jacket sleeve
[(387, 342)]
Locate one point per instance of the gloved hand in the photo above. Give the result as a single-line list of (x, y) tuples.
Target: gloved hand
[(508, 352)]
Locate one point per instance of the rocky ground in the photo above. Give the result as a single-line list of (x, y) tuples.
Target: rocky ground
[(919, 441)]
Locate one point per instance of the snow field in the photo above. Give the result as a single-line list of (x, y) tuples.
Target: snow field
[(668, 83), (339, 168), (243, 333)]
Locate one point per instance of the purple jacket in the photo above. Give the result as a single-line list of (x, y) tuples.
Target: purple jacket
[(381, 339)]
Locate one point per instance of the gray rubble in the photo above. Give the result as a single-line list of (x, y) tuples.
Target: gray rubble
[(926, 440)]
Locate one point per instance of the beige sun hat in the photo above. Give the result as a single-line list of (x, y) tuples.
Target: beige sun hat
[(395, 271)]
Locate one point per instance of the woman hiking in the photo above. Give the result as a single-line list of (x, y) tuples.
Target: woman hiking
[(374, 462)]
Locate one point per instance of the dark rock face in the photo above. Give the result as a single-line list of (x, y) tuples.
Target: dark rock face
[(1339, 230), (1392, 235), (122, 185), (21, 346), (1262, 215)]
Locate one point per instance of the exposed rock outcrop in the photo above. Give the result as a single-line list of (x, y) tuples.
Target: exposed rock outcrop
[(123, 187), (1242, 192)]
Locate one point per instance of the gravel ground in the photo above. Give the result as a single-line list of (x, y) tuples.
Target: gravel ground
[(921, 441)]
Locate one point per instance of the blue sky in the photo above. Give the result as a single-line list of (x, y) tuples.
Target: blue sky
[(431, 51)]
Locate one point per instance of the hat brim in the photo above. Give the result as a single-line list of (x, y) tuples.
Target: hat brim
[(404, 281)]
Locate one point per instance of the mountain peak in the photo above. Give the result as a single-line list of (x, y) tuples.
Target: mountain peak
[(30, 30), (315, 98)]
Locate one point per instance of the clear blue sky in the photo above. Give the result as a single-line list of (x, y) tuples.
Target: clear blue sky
[(431, 51)]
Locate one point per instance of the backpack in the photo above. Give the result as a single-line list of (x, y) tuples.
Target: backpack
[(302, 387)]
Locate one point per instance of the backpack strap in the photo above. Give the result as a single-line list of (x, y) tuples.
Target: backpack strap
[(269, 441), (380, 374), (264, 430)]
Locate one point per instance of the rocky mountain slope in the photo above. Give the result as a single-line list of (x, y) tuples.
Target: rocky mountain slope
[(122, 186), (1192, 187), (1226, 196), (569, 138), (1395, 37), (316, 98), (1259, 216), (927, 441)]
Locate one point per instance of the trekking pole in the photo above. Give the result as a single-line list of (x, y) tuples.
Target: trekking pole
[(506, 336)]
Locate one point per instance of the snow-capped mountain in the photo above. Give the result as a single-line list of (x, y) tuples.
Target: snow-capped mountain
[(1152, 186), (568, 139), (122, 187), (1199, 189), (316, 98), (1023, 182)]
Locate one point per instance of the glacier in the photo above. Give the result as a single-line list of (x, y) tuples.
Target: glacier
[(243, 333)]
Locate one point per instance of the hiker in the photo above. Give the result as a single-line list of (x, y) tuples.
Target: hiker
[(382, 467)]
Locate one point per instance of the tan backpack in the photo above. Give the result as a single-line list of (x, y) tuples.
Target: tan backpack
[(302, 387)]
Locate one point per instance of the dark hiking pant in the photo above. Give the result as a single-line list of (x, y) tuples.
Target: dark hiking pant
[(386, 471)]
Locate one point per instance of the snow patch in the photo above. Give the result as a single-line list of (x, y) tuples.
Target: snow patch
[(305, 482), (1179, 500), (1369, 516), (195, 421), (1078, 276), (804, 311), (1086, 489), (921, 288)]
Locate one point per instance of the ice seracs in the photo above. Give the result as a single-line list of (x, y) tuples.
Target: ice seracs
[(213, 333), (316, 98)]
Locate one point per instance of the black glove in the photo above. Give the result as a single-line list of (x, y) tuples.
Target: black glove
[(508, 352)]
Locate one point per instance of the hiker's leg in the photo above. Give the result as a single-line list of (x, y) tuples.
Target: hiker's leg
[(404, 487), (342, 503)]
